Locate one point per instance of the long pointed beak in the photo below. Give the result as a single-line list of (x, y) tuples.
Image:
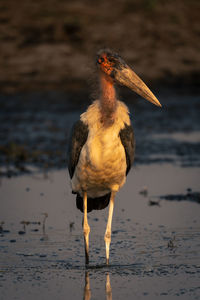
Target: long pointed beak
[(129, 78)]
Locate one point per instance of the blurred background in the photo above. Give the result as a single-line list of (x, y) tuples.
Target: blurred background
[(52, 44), (47, 65), (47, 79)]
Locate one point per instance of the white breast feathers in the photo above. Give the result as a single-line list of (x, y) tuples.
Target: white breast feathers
[(102, 162)]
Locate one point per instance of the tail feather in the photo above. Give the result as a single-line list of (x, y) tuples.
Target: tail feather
[(93, 203)]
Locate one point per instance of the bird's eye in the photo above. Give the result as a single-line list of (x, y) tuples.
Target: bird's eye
[(100, 60), (111, 59)]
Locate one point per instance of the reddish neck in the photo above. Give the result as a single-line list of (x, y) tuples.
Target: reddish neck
[(108, 99)]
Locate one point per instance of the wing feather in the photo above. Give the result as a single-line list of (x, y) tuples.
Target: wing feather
[(78, 138), (128, 141)]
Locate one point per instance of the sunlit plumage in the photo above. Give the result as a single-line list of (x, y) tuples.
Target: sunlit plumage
[(102, 144)]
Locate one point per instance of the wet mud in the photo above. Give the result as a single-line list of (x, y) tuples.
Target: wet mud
[(155, 249)]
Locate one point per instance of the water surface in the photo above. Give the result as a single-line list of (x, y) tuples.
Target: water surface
[(155, 247)]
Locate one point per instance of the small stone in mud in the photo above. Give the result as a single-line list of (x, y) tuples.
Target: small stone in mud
[(115, 231), (6, 231), (189, 196), (35, 230), (171, 243), (71, 226), (35, 223), (144, 191), (25, 223), (21, 232), (161, 226), (43, 255), (154, 203), (1, 226)]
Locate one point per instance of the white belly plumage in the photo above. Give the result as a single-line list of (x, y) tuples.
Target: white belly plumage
[(102, 163), (101, 167)]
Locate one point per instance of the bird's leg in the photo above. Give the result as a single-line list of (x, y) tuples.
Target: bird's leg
[(86, 229), (107, 236)]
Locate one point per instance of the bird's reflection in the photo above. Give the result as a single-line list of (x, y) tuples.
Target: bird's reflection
[(108, 288), (87, 290)]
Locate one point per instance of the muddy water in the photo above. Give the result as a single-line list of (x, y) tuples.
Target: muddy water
[(155, 248)]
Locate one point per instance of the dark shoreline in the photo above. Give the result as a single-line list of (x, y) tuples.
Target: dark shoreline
[(35, 127)]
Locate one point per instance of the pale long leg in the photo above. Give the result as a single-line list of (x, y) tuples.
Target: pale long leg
[(108, 288), (107, 236), (86, 229)]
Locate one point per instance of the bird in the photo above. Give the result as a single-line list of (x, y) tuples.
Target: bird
[(102, 143)]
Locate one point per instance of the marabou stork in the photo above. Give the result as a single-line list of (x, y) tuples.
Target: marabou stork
[(102, 145)]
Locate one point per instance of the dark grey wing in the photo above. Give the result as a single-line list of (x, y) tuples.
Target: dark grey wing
[(78, 138), (128, 141)]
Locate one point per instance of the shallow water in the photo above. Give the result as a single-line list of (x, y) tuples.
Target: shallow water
[(155, 249)]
